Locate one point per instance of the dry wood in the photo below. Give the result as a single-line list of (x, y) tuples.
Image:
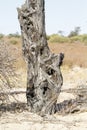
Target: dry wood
[(44, 78)]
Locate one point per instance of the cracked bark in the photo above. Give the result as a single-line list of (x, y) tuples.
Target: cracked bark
[(44, 78)]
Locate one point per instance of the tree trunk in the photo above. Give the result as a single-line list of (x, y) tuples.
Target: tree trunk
[(44, 78)]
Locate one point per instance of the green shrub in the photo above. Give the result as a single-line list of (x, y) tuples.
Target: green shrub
[(1, 35), (55, 38), (48, 37), (79, 38), (16, 35), (14, 42), (84, 38), (75, 39)]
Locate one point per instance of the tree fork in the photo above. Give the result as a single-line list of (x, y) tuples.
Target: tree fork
[(44, 78)]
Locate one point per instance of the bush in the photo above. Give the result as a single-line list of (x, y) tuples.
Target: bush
[(14, 42), (1, 35), (55, 38), (8, 76), (48, 37), (16, 35), (75, 39), (84, 38), (79, 38), (7, 61)]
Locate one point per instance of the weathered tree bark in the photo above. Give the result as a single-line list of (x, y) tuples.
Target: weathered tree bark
[(44, 78)]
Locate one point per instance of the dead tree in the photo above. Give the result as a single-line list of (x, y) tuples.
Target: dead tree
[(44, 78)]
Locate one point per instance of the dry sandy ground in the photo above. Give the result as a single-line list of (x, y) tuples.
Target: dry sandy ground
[(29, 121)]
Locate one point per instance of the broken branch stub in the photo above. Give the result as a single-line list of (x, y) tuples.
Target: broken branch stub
[(44, 78)]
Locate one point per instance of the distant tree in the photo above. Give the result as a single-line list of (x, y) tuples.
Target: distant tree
[(75, 32), (17, 35), (60, 32)]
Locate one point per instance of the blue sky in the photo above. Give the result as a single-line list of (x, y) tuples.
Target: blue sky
[(62, 15)]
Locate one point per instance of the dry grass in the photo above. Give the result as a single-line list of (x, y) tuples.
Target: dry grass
[(75, 53)]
